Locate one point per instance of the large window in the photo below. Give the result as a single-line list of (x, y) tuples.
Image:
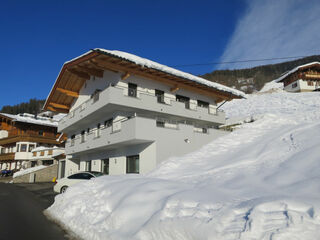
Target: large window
[(133, 164), (183, 99), (132, 90), (160, 96)]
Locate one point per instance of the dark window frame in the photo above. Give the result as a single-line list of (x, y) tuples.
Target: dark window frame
[(129, 160), (132, 89)]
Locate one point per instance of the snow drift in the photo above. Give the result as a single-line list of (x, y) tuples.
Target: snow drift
[(261, 181)]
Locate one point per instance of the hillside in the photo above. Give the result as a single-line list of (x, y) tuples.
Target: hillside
[(259, 182), (253, 79), (34, 106)]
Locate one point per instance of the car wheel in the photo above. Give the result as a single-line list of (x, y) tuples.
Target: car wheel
[(63, 189)]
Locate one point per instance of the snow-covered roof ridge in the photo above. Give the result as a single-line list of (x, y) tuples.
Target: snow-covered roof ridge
[(283, 76), (160, 67), (30, 118)]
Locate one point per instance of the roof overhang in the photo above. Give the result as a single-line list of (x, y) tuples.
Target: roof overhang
[(74, 74), (299, 68)]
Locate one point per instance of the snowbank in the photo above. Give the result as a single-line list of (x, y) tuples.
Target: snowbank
[(259, 182), (28, 170)]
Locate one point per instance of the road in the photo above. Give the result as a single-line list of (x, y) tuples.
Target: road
[(21, 207)]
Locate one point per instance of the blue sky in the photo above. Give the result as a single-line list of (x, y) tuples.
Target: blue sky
[(37, 37)]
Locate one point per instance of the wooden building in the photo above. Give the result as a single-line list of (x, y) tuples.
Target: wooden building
[(20, 134), (304, 78)]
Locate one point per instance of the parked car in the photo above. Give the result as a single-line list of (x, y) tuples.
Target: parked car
[(63, 183)]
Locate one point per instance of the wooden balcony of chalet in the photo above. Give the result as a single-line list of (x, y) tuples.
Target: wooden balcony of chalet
[(27, 137), (7, 156)]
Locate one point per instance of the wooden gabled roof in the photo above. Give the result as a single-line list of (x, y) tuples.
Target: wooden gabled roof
[(312, 65), (74, 73)]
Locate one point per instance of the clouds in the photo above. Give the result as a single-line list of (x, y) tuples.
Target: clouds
[(273, 29)]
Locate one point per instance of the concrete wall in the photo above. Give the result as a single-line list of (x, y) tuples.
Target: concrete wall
[(42, 175)]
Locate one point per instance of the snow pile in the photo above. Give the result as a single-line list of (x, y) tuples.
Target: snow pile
[(261, 181), (272, 86), (28, 170)]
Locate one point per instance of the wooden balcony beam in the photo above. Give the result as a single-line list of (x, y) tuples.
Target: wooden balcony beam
[(125, 76), (60, 106), (68, 92), (91, 71)]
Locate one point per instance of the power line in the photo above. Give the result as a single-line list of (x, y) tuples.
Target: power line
[(239, 61)]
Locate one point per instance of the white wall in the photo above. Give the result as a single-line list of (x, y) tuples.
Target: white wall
[(145, 85), (3, 134), (301, 86)]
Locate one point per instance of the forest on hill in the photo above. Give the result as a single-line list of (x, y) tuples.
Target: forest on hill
[(253, 79), (34, 106)]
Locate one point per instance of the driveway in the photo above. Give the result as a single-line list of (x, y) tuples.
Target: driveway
[(21, 207)]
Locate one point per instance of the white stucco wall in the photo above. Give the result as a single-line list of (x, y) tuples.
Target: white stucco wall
[(301, 86), (3, 134)]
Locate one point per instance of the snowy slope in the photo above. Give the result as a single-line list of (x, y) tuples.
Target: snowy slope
[(262, 181)]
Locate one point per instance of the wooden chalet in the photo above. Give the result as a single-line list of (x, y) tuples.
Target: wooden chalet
[(19, 135), (304, 78)]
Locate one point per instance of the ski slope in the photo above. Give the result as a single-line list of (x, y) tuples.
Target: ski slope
[(262, 181)]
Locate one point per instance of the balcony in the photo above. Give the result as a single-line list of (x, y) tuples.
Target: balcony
[(28, 138), (129, 132), (115, 98), (7, 156)]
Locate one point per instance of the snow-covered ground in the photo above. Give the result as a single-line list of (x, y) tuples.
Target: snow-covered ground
[(261, 181)]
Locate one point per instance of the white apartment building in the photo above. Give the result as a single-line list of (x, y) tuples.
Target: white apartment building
[(304, 78), (126, 114)]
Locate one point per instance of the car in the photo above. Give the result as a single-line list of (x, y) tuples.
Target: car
[(62, 184)]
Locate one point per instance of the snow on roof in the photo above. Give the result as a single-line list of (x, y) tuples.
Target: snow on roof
[(163, 68), (30, 118), (294, 70)]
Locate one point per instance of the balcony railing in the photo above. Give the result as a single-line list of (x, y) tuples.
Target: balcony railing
[(6, 156), (138, 94), (28, 138)]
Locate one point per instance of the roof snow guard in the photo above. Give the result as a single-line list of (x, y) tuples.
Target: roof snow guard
[(75, 72), (301, 67)]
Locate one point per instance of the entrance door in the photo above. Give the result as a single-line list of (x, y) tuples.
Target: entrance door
[(105, 166)]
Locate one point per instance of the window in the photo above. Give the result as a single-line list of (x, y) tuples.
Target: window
[(203, 104), (3, 150), (41, 133), (23, 148), (88, 131), (108, 123), (204, 130), (184, 100), (72, 139), (83, 138), (34, 154), (98, 131), (160, 123), (160, 96), (294, 85), (31, 147), (132, 90), (310, 83), (47, 162), (18, 148), (95, 95), (133, 164), (50, 152), (42, 153), (88, 166)]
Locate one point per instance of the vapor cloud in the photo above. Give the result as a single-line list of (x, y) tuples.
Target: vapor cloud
[(272, 29)]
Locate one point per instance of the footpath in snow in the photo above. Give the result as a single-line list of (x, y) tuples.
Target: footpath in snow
[(261, 181)]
